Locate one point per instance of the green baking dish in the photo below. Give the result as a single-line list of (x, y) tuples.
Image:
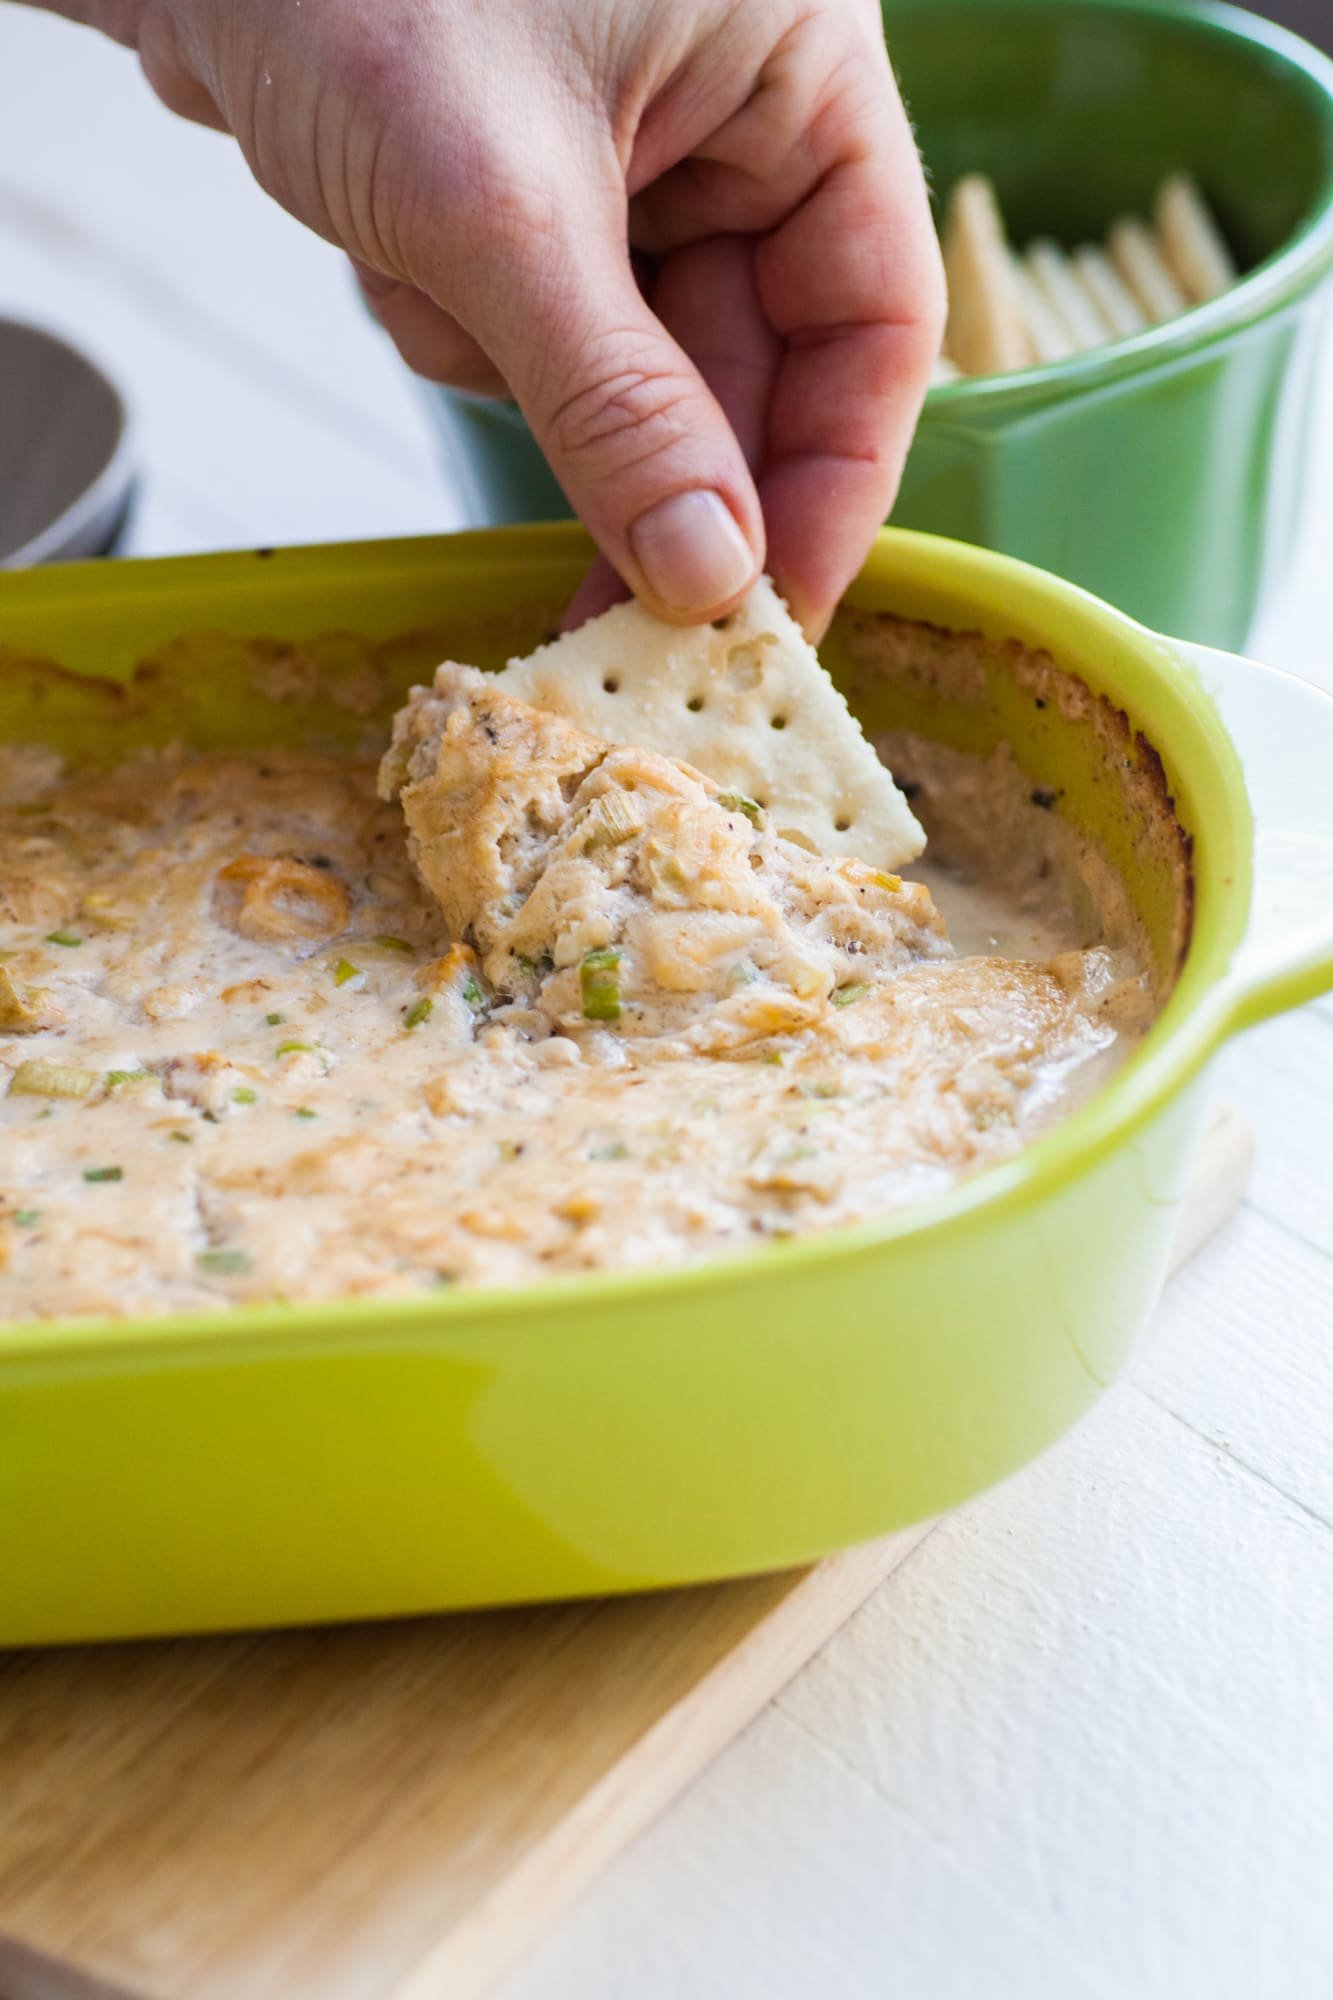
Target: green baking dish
[(1165, 473), (286, 1464)]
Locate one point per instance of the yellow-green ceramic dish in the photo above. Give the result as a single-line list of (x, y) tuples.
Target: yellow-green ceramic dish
[(606, 1434)]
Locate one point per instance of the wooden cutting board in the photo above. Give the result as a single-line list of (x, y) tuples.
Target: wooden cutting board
[(384, 1812)]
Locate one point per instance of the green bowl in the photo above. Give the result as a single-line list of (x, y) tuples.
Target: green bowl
[(1167, 472)]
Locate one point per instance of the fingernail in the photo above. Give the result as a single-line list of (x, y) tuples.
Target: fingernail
[(692, 554)]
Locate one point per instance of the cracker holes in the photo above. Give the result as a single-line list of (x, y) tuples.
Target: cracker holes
[(610, 685), (777, 721), (695, 704)]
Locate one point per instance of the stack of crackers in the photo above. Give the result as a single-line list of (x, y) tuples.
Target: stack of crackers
[(1013, 309)]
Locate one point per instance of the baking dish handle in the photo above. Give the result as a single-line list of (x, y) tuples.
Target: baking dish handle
[(1282, 728)]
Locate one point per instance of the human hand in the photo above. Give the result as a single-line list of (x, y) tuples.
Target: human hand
[(743, 393)]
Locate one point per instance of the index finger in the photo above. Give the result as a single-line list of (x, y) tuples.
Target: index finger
[(852, 283)]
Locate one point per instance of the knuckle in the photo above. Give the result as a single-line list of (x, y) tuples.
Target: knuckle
[(476, 217), (516, 205), (498, 191), (376, 57), (625, 411)]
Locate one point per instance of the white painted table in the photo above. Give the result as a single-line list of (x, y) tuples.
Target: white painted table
[(1082, 1743)]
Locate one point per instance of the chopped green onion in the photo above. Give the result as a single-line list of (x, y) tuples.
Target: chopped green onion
[(26, 1217), (600, 986), (615, 818), (472, 993), (63, 937), (394, 944), (295, 1049), (823, 1088), (104, 1173), (742, 973), (304, 1111), (420, 1010), (535, 968), (616, 1150), (115, 1077), (182, 1138), (48, 1079), (244, 1095), (223, 1263), (848, 995), (736, 802), (345, 970), (275, 1020)]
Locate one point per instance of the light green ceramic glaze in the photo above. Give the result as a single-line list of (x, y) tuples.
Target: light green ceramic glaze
[(1167, 473), (625, 1432)]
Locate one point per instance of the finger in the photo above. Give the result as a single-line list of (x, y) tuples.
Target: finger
[(763, 157), (707, 297), (852, 284), (749, 173), (430, 340), (639, 443), (599, 590)]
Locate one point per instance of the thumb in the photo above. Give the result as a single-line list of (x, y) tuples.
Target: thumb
[(636, 438)]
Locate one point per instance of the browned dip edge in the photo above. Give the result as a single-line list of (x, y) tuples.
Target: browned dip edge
[(900, 674)]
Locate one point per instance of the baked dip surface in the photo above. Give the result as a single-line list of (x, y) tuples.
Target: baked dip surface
[(246, 1053)]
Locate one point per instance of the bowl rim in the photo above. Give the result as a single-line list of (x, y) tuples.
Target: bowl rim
[(115, 475), (1295, 267), (1153, 677)]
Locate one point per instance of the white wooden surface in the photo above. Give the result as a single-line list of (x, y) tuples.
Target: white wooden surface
[(1082, 1743)]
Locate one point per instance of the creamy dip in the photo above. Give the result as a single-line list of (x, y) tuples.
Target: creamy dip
[(243, 1058)]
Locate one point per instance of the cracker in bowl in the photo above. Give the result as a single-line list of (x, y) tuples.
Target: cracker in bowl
[(746, 702)]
